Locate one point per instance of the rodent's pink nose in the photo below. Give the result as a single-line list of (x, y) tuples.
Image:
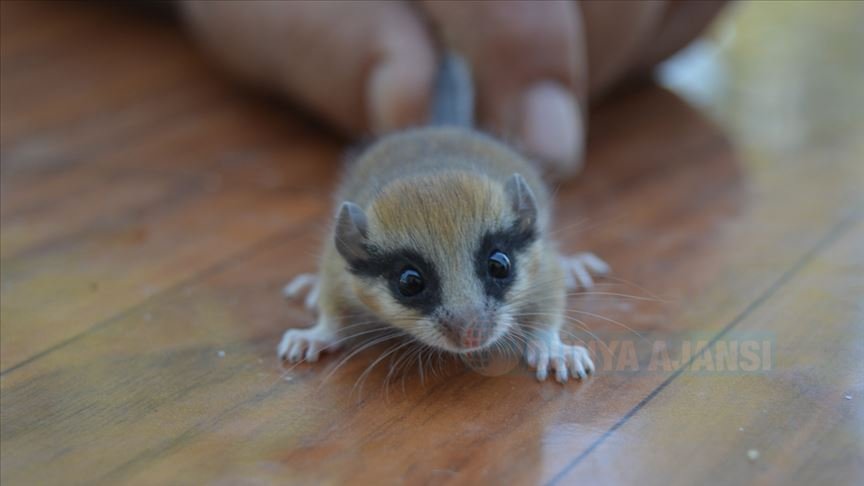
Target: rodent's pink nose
[(451, 330), (472, 337), (466, 333)]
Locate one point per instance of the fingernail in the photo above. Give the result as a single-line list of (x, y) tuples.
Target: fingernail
[(552, 128)]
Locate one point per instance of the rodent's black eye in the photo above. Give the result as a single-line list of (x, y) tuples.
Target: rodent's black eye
[(410, 282), (499, 265)]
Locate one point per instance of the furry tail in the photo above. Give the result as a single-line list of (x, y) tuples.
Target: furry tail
[(453, 98)]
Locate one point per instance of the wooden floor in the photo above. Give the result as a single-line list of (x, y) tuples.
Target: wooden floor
[(151, 211)]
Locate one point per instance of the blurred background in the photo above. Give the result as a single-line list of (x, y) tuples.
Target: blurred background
[(777, 75)]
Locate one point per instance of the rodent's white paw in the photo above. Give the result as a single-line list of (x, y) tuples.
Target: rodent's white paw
[(564, 360), (300, 283), (579, 267), (306, 344)]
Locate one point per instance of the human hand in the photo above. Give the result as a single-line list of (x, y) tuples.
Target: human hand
[(368, 67)]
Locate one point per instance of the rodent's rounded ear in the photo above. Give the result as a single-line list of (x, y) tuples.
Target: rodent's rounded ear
[(521, 200), (351, 232)]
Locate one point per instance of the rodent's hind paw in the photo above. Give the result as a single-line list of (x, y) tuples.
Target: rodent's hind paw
[(300, 283), (564, 360), (306, 344), (579, 267)]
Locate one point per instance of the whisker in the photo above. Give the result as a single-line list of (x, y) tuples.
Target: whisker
[(583, 326), (639, 287), (360, 349), (614, 294), (609, 319), (369, 368)]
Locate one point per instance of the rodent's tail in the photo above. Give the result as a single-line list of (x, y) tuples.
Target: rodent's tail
[(453, 96)]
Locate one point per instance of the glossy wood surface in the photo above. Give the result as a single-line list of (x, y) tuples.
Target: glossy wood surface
[(152, 210)]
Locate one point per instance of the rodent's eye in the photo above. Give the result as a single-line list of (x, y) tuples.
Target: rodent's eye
[(499, 265), (410, 282)]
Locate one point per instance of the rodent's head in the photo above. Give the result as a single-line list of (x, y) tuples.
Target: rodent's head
[(444, 257)]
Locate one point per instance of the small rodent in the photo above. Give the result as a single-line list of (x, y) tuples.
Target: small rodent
[(444, 234)]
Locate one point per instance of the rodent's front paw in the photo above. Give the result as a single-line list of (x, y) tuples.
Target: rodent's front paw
[(579, 267), (565, 360), (300, 283), (306, 344)]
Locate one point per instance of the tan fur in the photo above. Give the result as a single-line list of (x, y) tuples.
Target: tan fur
[(438, 190), (435, 150), (446, 204)]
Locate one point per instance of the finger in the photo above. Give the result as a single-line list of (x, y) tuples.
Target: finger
[(576, 367), (363, 66), (569, 281), (531, 355), (586, 361), (528, 66), (313, 351), (596, 265), (297, 349), (582, 275), (681, 23), (542, 363), (300, 282), (615, 33), (312, 297), (284, 345), (560, 369)]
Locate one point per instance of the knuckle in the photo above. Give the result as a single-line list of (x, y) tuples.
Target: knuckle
[(524, 26)]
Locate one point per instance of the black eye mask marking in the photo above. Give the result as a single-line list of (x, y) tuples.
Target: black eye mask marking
[(389, 267), (510, 241)]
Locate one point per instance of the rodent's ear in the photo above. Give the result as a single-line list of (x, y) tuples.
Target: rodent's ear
[(351, 232), (522, 201)]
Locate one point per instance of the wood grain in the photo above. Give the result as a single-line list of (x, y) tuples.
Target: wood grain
[(152, 211), (799, 413)]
